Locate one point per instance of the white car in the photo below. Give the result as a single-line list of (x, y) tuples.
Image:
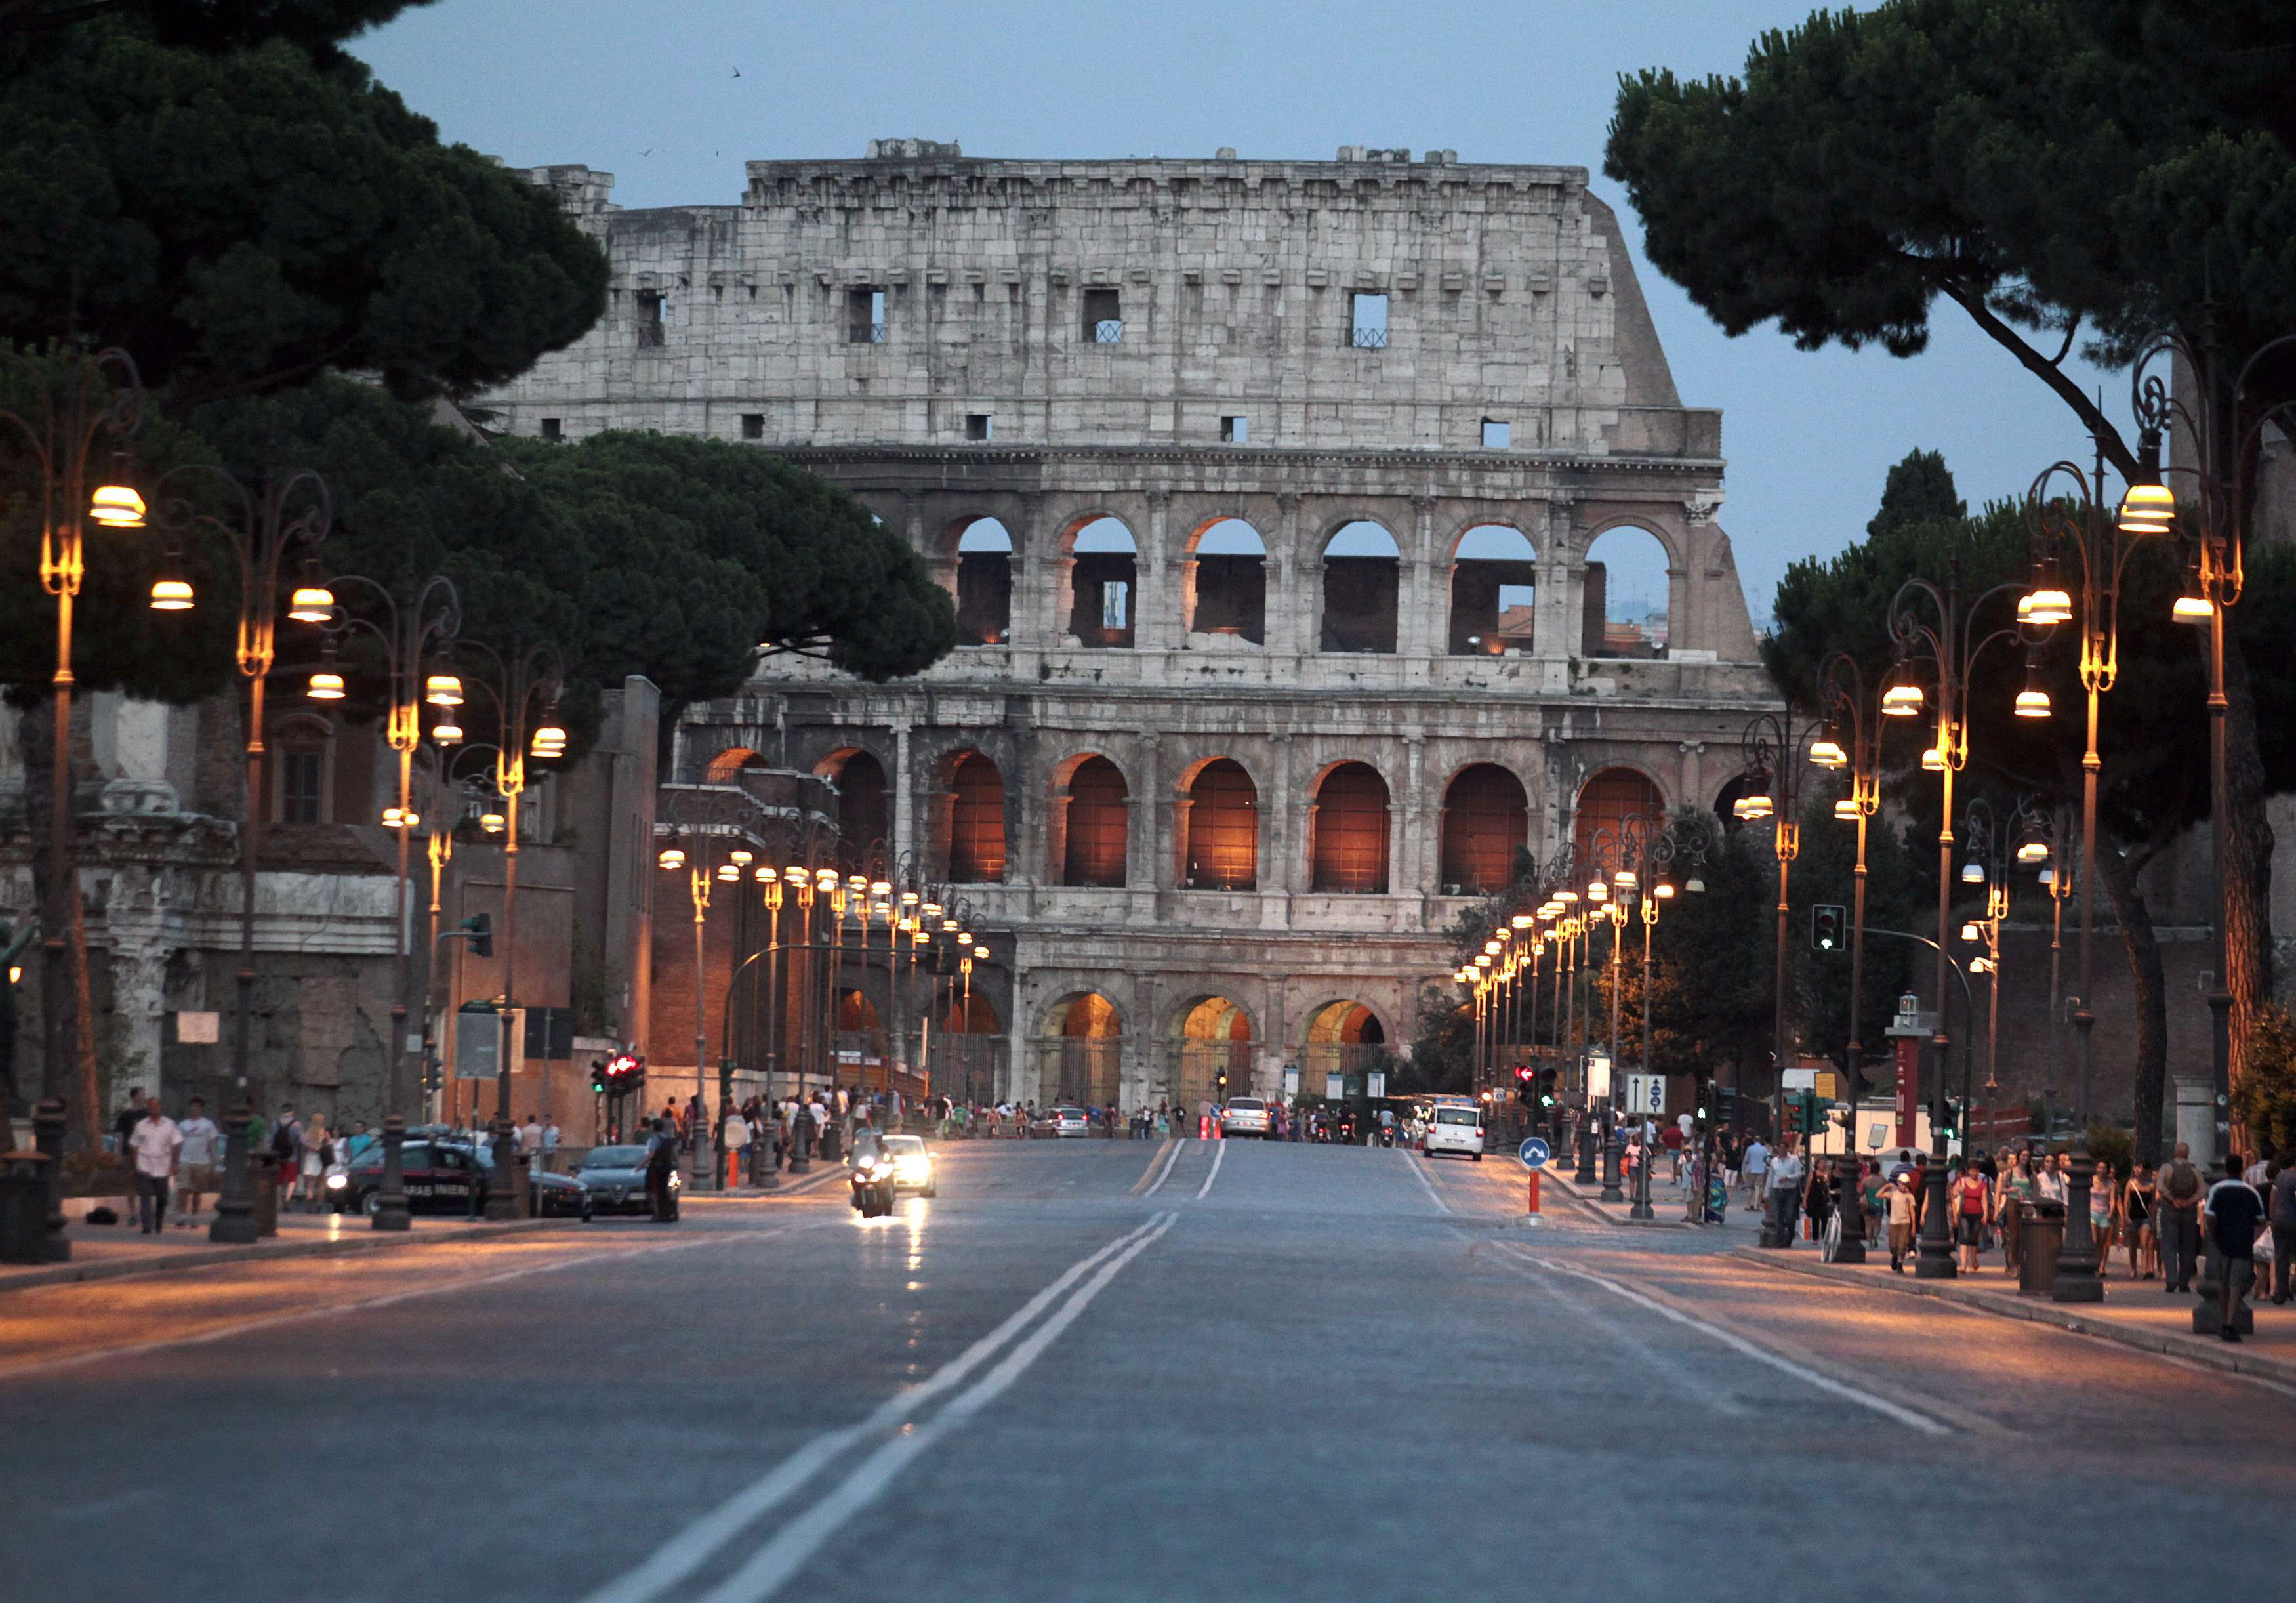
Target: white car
[(1456, 1127), (1061, 1122), (1244, 1116), (913, 1165)]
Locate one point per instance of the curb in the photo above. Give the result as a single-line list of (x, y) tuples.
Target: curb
[(752, 1194), (2213, 1355), (208, 1257), (1605, 1210)]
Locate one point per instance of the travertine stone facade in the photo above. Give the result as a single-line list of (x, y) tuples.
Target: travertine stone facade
[(1052, 343)]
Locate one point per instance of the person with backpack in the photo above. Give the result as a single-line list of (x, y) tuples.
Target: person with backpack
[(2178, 1220), (287, 1149), (2235, 1212)]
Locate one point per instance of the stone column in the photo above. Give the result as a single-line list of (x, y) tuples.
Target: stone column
[(904, 811), (1293, 582), (1407, 870), (1147, 808), (1416, 627), (1693, 792), (1159, 623), (1279, 845)]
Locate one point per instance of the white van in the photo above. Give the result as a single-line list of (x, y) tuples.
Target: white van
[(1456, 1127)]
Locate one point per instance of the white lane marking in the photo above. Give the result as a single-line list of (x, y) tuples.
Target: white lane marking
[(200, 1338), (1803, 1372), (691, 1548), (1419, 1167), (1219, 1156), (780, 1559), (1170, 1163), (1714, 1397)]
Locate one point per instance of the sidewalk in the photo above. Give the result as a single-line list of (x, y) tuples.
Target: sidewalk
[(106, 1251), (1669, 1202), (2134, 1313)]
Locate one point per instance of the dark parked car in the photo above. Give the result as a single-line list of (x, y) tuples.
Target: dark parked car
[(614, 1179), (440, 1177)]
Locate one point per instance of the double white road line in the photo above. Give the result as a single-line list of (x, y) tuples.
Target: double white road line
[(902, 1428)]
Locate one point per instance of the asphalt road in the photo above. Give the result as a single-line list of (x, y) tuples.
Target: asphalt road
[(1108, 1370)]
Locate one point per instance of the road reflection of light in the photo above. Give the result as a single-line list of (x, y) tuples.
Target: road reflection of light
[(915, 1216)]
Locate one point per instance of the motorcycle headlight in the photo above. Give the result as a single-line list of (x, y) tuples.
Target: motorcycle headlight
[(336, 1183), (674, 1181)]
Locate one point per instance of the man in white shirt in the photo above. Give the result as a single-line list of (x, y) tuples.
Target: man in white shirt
[(549, 1137), (1754, 1166), (197, 1157), (1786, 1195), (155, 1140)]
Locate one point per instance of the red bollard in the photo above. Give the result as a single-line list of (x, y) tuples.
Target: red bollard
[(1532, 1208)]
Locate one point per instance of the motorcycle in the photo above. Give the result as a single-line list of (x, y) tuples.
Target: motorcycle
[(873, 1187), (1386, 1135)]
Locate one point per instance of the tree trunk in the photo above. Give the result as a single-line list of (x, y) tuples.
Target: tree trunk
[(2118, 879), (2247, 890), (68, 1058)]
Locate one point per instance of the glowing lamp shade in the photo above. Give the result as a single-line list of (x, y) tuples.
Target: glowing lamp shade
[(2046, 605), (766, 874), (1696, 885), (1665, 891), (1933, 761), (1565, 898), (671, 857), (1828, 754), (1901, 701), (1978, 966), (1972, 873), (116, 506), (824, 878), (492, 823), (2147, 509), (2032, 702), (1624, 879), (311, 604), (931, 909), (1491, 946), (171, 596), (2033, 851), (327, 686), (1750, 807), (880, 889), (447, 732), (1969, 931), (443, 690), (549, 739), (1846, 809), (981, 952), (739, 857), (393, 817), (728, 872), (2192, 608), (1482, 959), (1521, 921), (1596, 890), (908, 899)]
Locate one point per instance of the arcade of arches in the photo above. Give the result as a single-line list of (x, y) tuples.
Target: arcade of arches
[(1611, 796)]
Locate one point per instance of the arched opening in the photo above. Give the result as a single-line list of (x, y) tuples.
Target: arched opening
[(1212, 1047), (1081, 1059), (1347, 832), (1726, 800), (861, 822), (1103, 583), (967, 1047), (1485, 821), (858, 1039), (1344, 1037), (1625, 612), (1227, 597), (984, 584), (1608, 797), (1492, 577), (856, 1011), (1095, 824), (976, 820), (1219, 842), (723, 768), (1362, 569)]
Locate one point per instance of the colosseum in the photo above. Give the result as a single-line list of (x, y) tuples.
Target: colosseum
[(1277, 500)]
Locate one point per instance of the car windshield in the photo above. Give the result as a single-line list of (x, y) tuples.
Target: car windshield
[(1071, 1112), (1246, 1104), (902, 1146), (1454, 1115), (614, 1157)]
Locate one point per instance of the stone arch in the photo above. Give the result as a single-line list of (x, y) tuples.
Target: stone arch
[(1485, 821), (863, 823), (1347, 1022), (1494, 590), (1362, 581), (1081, 1049), (1100, 569), (1211, 1041), (1090, 828), (1610, 794), (1081, 1015), (1219, 827), (726, 765), (1629, 589), (1726, 800), (1348, 830), (970, 838), (985, 554), (1224, 583)]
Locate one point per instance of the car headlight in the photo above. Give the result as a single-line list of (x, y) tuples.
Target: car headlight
[(914, 1169)]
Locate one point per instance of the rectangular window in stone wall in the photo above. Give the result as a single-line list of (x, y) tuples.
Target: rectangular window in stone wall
[(1367, 321), (1235, 431), (753, 425), (1103, 317), (302, 785), (865, 316)]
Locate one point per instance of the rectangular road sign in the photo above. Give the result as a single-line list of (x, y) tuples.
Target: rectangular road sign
[(1645, 1094)]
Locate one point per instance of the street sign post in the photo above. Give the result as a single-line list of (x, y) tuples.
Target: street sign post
[(1645, 1094), (1534, 1154)]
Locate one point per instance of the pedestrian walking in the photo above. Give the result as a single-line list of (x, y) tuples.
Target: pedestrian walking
[(660, 1167), (124, 1122), (2283, 1228), (2234, 1213), (2176, 1221), (1970, 1195), (197, 1159), (1897, 1203), (1754, 1165), (1785, 1194), (287, 1149), (2136, 1221), (155, 1141), (2012, 1195)]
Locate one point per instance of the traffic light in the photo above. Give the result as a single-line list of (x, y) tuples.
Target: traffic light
[(1807, 1103), (1547, 1083), (482, 929), (1726, 1106), (1219, 1083), (1829, 927), (618, 1075), (1525, 1078)]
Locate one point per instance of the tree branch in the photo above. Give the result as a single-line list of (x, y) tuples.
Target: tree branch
[(2116, 449)]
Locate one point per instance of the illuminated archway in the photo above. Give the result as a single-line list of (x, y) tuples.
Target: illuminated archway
[(976, 820), (1609, 796), (1348, 832), (1220, 840), (1485, 821)]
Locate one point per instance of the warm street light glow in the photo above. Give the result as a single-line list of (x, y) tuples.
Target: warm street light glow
[(980, 952), (447, 732), (392, 818), (1665, 891), (1564, 897), (728, 872), (1827, 753), (1969, 931), (932, 910), (443, 690), (740, 856), (794, 874), (1596, 890), (2032, 852), (1624, 879), (672, 857), (1752, 807), (880, 889), (1901, 699), (908, 899), (2048, 605), (1978, 966), (549, 740), (116, 506), (1972, 873), (1521, 921), (764, 875), (1482, 959), (327, 686), (171, 596), (2147, 509), (491, 822), (2032, 702), (1846, 809), (1932, 761), (311, 604), (2192, 608)]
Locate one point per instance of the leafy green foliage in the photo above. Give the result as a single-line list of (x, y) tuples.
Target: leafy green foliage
[(1826, 872), (1712, 963), (2264, 1098), (28, 27), (1443, 1048), (242, 222)]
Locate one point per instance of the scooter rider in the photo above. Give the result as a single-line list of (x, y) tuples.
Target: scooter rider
[(661, 1163)]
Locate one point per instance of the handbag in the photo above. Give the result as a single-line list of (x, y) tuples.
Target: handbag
[(2262, 1251)]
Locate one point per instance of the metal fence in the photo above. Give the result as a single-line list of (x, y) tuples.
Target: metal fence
[(1371, 339)]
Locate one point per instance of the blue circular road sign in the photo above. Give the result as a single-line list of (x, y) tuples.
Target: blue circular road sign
[(1534, 1154)]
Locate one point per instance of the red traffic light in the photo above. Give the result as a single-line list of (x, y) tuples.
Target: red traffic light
[(1524, 1074)]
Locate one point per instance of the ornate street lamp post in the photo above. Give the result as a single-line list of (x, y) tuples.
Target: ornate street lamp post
[(1930, 624), (411, 637), (1842, 703), (1775, 748)]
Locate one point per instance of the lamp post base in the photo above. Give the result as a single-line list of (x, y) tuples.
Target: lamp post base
[(1852, 1248), (502, 1197), (390, 1211), (1611, 1154), (2076, 1278), (235, 1219), (1935, 1262)]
